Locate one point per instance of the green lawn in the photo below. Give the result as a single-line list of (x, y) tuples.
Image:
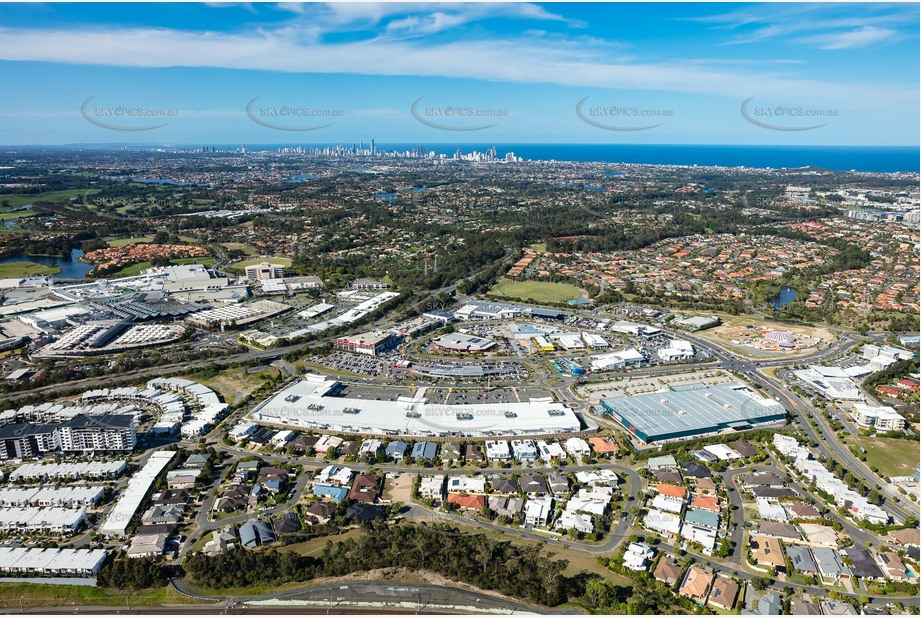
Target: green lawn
[(56, 595), (315, 546), (21, 199), (135, 269), (199, 544), (124, 242), (240, 266), (235, 382), (540, 291), (19, 214), (892, 456), (12, 270)]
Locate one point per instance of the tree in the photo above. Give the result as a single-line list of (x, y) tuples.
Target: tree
[(132, 573)]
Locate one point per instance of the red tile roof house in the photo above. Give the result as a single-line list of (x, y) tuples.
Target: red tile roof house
[(710, 503), (696, 585), (603, 446), (672, 491), (472, 502)]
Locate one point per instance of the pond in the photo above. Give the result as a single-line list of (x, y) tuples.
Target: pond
[(786, 296), (71, 268)]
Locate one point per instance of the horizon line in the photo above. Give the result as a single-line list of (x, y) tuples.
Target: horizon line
[(423, 143)]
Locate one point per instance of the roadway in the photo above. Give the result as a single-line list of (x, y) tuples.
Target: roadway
[(819, 591), (347, 596), (803, 411), (414, 512), (204, 523), (826, 438), (857, 467), (622, 529)]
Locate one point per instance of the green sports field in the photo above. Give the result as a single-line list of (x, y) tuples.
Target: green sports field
[(540, 291), (124, 242)]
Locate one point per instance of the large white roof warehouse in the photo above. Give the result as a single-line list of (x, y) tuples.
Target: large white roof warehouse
[(312, 403)]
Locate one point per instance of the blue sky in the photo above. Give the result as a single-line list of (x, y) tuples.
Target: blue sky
[(813, 74)]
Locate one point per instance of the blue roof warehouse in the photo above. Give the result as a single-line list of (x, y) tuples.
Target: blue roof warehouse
[(693, 410)]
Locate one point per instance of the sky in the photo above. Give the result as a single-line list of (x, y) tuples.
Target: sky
[(624, 73)]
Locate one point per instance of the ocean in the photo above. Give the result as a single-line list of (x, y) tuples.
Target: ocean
[(838, 158)]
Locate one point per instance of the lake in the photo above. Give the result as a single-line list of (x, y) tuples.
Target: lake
[(786, 296), (301, 178), (71, 268)]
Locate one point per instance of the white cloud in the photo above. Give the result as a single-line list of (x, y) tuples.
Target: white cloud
[(518, 60), (822, 25), (861, 37), (427, 24), (424, 16)]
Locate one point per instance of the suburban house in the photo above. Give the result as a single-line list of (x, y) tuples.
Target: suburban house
[(537, 511), (696, 585), (801, 559), (503, 485), (767, 551), (432, 487), (559, 483), (724, 593), (396, 450), (533, 485), (365, 488), (319, 513), (424, 451), (469, 502), (604, 447), (828, 561), (474, 453), (637, 556), (668, 571)]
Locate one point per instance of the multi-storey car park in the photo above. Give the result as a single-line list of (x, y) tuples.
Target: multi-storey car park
[(311, 403), (693, 410)]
